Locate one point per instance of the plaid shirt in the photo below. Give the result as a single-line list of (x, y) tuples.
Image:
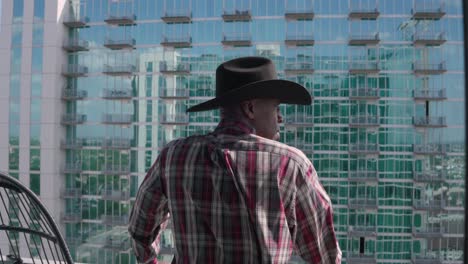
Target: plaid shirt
[(234, 197)]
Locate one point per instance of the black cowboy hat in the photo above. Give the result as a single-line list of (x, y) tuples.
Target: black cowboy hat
[(248, 78)]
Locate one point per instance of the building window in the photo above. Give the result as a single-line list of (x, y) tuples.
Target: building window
[(35, 183)]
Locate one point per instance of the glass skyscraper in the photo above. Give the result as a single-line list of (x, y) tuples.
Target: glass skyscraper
[(92, 89)]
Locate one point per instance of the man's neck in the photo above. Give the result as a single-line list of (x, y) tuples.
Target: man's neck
[(237, 124)]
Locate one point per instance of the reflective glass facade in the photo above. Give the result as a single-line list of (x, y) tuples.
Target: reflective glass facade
[(385, 130)]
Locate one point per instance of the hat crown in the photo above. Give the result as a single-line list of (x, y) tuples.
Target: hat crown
[(236, 73), (249, 78)]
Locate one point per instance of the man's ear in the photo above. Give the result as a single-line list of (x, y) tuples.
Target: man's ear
[(248, 109)]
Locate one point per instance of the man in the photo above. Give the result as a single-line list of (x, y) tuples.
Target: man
[(237, 195)]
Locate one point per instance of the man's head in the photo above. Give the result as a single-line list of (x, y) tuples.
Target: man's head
[(251, 86), (262, 114)]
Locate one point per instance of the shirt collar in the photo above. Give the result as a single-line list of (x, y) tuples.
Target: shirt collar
[(234, 127)]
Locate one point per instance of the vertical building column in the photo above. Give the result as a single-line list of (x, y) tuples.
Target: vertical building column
[(5, 54), (52, 132), (25, 94)]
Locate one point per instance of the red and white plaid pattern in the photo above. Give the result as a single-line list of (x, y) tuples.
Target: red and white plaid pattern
[(234, 197)]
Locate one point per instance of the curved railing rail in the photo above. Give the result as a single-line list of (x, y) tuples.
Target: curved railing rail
[(23, 216)]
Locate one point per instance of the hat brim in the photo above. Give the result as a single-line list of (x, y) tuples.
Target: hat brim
[(287, 92)]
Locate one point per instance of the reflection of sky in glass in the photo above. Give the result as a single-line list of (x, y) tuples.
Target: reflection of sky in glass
[(39, 9), (18, 7)]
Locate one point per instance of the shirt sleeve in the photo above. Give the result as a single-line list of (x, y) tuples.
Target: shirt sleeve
[(149, 215), (314, 234)]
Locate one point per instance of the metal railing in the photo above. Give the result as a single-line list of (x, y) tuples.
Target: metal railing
[(177, 13), (73, 118), (231, 37), (72, 143), (237, 12), (117, 118), (363, 175), (429, 7), (74, 94), (71, 217), (366, 120), (299, 11), (74, 21), (374, 36), (435, 258), (429, 204), (362, 230), (118, 244), (174, 93), (364, 66), (92, 142), (74, 240), (419, 66), (430, 94), (364, 148), (115, 195), (299, 119), (237, 15), (119, 42), (76, 44), (116, 143), (361, 258), (115, 220), (362, 203), (120, 18), (179, 67), (71, 193), (177, 39), (72, 167), (119, 69), (299, 14), (175, 118), (429, 176), (429, 36), (363, 10), (429, 148), (299, 37), (428, 231), (299, 66), (365, 92), (365, 37), (115, 169), (429, 121), (117, 93), (75, 70)]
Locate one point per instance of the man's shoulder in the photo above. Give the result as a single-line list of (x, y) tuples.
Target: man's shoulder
[(279, 148), (184, 142), (249, 143)]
